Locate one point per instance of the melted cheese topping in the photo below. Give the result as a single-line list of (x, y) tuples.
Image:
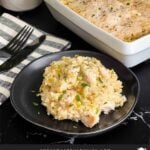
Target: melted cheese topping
[(125, 19), (142, 6)]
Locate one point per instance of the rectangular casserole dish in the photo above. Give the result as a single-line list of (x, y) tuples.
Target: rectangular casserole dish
[(129, 53)]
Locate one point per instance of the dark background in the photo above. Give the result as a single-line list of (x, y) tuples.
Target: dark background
[(135, 130)]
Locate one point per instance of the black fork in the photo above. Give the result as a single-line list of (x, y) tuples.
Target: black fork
[(17, 42)]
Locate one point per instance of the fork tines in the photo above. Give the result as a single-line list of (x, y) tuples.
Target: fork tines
[(20, 39)]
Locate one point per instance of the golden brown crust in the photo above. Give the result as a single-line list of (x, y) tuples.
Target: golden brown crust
[(128, 20), (142, 6)]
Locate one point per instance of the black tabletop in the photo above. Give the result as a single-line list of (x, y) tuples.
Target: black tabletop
[(135, 130)]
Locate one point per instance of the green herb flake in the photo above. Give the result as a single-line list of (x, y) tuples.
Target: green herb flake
[(59, 67), (65, 77), (35, 104), (99, 79), (38, 94), (79, 78), (64, 91), (58, 75), (75, 127), (93, 15), (84, 84), (60, 96), (111, 8), (97, 110), (78, 98), (53, 107)]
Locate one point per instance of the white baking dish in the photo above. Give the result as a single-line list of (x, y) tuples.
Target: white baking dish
[(129, 53)]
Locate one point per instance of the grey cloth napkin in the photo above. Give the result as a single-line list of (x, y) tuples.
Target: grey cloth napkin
[(9, 27)]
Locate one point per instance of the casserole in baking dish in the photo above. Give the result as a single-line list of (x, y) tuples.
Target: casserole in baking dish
[(113, 16), (129, 53)]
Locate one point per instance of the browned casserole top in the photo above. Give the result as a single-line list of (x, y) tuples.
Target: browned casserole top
[(142, 6), (125, 19)]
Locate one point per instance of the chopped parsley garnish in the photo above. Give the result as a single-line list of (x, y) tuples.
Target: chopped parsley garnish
[(79, 78), (35, 103), (97, 110), (60, 96), (99, 79), (75, 127), (59, 67), (84, 84), (111, 8), (93, 15), (58, 75), (78, 98)]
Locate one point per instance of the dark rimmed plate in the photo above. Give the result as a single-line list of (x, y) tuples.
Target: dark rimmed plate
[(27, 104)]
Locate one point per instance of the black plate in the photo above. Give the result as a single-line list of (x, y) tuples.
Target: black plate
[(23, 97)]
